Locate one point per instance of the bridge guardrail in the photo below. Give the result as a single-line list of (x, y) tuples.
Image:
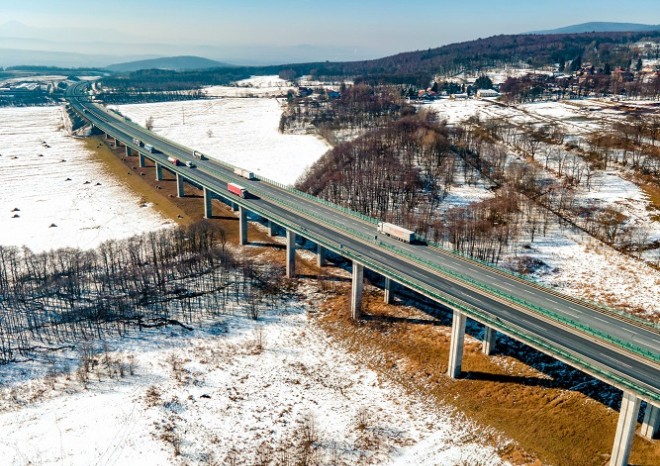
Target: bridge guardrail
[(546, 288), (655, 357), (473, 311), (552, 315)]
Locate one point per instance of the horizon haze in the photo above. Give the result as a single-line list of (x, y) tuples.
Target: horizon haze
[(261, 32)]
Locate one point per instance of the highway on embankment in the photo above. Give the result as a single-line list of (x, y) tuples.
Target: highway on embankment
[(620, 350)]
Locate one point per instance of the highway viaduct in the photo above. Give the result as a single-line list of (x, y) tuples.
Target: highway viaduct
[(618, 349)]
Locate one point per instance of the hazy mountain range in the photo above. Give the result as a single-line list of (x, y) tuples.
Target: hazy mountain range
[(21, 44), (601, 27)]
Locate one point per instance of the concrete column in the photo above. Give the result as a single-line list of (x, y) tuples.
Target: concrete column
[(290, 254), (159, 172), (625, 430), (320, 255), (489, 340), (115, 143), (356, 290), (651, 422), (179, 186), (388, 290), (242, 226), (140, 158), (127, 151), (456, 344), (208, 205), (234, 207), (271, 228)]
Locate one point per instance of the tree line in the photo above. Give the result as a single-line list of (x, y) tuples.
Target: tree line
[(178, 276)]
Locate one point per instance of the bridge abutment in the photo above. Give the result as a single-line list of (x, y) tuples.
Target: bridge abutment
[(356, 290), (456, 344), (651, 423), (488, 343), (290, 254), (242, 225), (625, 429), (179, 186)]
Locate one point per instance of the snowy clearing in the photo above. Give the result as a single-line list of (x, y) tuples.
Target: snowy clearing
[(237, 390), (54, 194), (242, 132)]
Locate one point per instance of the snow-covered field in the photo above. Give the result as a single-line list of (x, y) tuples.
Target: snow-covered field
[(229, 399), (236, 390), (256, 86), (54, 194), (243, 132), (612, 277)]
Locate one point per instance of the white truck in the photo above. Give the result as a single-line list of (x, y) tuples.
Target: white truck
[(198, 155), (396, 231), (247, 174), (137, 142)]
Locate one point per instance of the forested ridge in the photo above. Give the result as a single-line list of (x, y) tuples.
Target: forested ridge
[(418, 67)]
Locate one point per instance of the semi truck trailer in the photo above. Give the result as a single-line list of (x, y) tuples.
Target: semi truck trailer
[(240, 191), (396, 231)]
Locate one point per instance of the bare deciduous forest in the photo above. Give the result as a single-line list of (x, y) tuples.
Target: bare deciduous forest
[(401, 167), (174, 277)]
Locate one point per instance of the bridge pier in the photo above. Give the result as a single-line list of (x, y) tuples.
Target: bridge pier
[(271, 228), (651, 422), (234, 207), (320, 256), (388, 291), (142, 163), (208, 205), (159, 172), (179, 186), (488, 343), (127, 151), (456, 344), (242, 225), (625, 430), (356, 291), (290, 254)]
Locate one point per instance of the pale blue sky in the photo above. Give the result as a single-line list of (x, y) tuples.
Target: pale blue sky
[(382, 27)]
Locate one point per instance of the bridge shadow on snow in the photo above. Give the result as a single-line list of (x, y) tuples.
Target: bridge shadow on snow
[(557, 374)]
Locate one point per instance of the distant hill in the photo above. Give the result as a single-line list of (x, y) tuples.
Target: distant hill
[(601, 27), (182, 63)]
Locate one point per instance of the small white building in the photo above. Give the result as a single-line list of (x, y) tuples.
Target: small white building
[(458, 96), (481, 93)]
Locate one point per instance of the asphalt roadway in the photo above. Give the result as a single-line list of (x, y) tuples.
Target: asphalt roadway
[(500, 300)]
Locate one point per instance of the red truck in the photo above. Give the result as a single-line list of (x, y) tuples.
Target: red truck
[(173, 160), (238, 190)]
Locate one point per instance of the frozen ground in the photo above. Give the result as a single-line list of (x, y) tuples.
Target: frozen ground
[(611, 278), (243, 132), (54, 194), (236, 390), (256, 86)]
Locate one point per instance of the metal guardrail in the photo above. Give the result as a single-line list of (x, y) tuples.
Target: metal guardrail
[(520, 277), (655, 357), (455, 275)]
